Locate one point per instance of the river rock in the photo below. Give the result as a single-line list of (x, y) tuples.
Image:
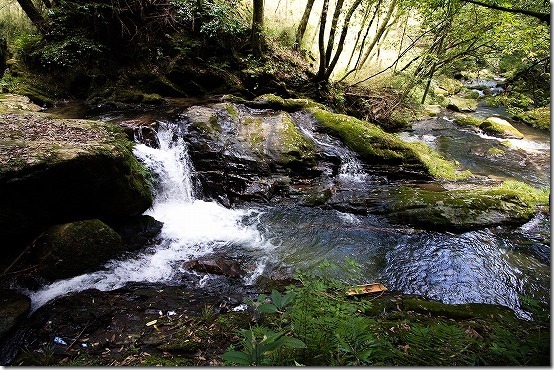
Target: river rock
[(462, 209), (216, 266), (71, 249), (14, 307), (59, 170), (241, 153), (138, 232), (458, 104), (499, 127)]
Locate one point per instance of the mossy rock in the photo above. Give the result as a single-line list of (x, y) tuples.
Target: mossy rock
[(74, 248), (10, 103), (450, 86), (276, 102), (59, 170), (467, 120), (14, 307), (499, 127), (511, 202), (459, 104), (538, 117), (377, 146)]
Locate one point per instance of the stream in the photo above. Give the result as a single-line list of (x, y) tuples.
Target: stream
[(495, 265)]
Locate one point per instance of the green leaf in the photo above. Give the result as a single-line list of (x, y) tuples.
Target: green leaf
[(294, 343), (237, 357), (276, 297)]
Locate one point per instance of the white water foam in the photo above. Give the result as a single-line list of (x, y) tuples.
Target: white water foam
[(529, 146), (192, 228)]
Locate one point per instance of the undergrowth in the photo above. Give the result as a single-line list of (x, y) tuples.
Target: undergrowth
[(316, 324)]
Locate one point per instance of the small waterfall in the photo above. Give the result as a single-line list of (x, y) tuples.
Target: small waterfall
[(171, 163), (192, 228), (351, 168)]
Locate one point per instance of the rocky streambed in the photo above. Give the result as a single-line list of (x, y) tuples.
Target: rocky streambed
[(244, 192)]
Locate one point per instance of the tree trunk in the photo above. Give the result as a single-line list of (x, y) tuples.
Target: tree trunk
[(303, 24), (333, 31), (34, 15), (322, 58), (257, 27), (342, 39), (379, 33)]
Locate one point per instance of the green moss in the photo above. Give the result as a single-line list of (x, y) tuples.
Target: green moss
[(495, 152), (526, 193), (466, 120), (72, 249), (232, 111), (255, 134), (289, 105), (499, 127), (538, 117), (462, 209), (373, 144), (436, 165), (292, 143)]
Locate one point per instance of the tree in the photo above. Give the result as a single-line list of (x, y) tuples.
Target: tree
[(34, 14), (303, 24), (257, 27), (328, 60)]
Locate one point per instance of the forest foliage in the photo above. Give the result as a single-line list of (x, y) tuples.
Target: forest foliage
[(400, 48)]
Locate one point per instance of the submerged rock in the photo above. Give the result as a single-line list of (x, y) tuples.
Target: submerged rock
[(216, 266), (74, 248)]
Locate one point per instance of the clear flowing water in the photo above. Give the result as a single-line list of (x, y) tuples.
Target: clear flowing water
[(489, 266), (192, 228)]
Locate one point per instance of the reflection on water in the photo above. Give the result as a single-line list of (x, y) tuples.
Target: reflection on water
[(486, 266)]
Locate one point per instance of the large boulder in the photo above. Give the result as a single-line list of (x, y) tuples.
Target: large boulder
[(459, 104), (376, 146), (74, 248), (60, 170), (243, 152)]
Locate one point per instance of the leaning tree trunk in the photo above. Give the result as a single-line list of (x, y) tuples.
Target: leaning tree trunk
[(303, 24), (257, 27), (34, 15)]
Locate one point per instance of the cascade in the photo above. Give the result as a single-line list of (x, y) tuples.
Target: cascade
[(192, 228)]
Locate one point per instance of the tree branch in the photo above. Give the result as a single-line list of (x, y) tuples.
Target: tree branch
[(545, 17)]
